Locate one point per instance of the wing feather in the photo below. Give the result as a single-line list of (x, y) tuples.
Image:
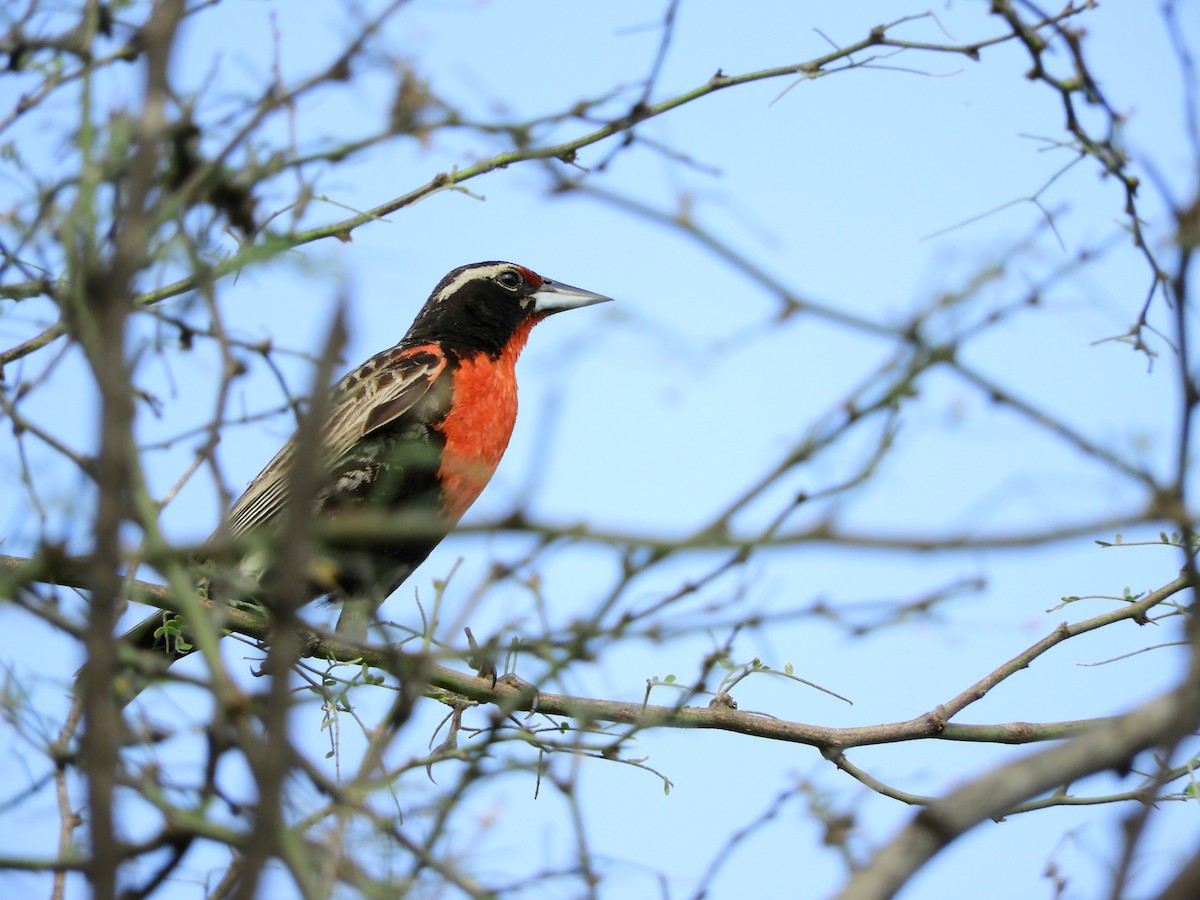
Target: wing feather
[(375, 394)]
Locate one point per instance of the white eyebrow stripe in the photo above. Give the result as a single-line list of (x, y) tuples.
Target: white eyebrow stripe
[(471, 273)]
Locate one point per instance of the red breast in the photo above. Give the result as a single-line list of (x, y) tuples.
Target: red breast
[(477, 428)]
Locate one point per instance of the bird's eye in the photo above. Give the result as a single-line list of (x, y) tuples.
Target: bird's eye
[(510, 279)]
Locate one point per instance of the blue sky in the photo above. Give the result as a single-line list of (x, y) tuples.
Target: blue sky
[(649, 415)]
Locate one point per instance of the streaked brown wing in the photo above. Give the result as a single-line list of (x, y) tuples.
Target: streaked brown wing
[(375, 394)]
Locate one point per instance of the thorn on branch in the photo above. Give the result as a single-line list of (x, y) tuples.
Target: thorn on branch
[(340, 70)]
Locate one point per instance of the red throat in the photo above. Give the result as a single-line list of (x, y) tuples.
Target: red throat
[(480, 422)]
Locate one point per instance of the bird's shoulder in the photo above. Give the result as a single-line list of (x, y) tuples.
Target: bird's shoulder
[(381, 390), (393, 385)]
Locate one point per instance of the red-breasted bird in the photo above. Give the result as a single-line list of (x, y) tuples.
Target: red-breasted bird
[(414, 433)]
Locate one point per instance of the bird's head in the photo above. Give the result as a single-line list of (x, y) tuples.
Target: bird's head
[(482, 306)]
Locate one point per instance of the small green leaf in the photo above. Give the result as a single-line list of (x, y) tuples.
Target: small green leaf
[(170, 628)]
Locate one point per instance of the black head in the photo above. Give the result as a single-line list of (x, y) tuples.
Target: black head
[(481, 306)]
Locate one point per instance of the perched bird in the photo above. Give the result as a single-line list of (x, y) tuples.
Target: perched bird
[(415, 433)]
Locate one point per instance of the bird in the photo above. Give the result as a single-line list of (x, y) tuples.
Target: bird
[(415, 434)]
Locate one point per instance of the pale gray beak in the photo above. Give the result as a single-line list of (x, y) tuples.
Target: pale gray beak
[(554, 296)]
